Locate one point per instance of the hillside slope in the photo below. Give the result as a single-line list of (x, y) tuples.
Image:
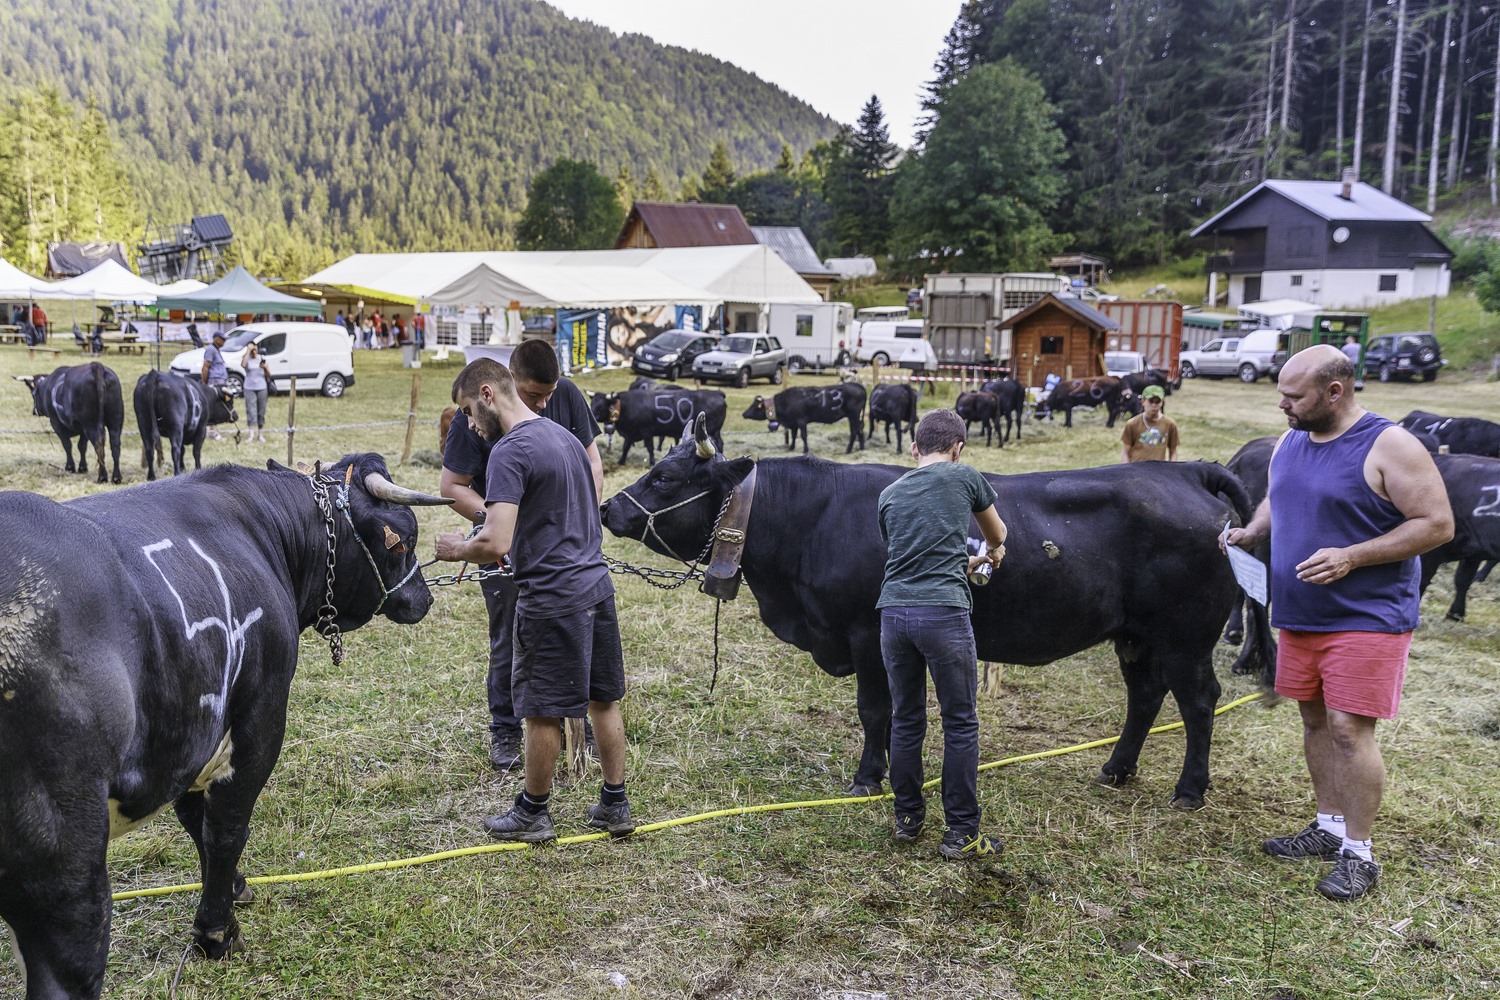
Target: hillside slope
[(371, 124)]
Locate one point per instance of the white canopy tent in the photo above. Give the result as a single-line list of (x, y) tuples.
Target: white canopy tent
[(108, 282), (544, 286), (16, 284)]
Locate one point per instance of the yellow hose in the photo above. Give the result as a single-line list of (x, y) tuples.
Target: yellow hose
[(463, 852)]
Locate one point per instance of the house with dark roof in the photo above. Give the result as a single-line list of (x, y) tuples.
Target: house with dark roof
[(1340, 244), (792, 245), (659, 224)]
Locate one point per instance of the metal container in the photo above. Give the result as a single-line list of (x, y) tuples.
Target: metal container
[(979, 576)]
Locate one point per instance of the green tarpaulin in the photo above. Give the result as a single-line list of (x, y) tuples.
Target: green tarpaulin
[(239, 292)]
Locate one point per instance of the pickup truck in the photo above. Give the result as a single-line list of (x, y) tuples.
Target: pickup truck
[(741, 357)]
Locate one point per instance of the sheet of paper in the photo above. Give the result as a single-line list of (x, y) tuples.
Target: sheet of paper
[(1249, 572)]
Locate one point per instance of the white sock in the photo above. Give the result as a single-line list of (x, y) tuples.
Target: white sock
[(1331, 823), (1361, 848)]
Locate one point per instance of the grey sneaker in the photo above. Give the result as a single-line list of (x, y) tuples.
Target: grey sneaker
[(908, 828), (616, 818), (522, 826), (960, 846), (1351, 878), (1313, 842), (505, 749)]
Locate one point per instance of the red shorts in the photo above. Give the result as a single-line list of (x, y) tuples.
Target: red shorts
[(1356, 672)]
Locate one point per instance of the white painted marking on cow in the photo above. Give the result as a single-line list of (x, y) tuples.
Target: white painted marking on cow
[(197, 411), (120, 824), (1491, 509), (233, 629)]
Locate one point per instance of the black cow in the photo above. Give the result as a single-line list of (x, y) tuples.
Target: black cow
[(1137, 381), (1085, 565), (1011, 397), (982, 408), (159, 676), (651, 415), (894, 403), (180, 410), (794, 409), (83, 401), (1473, 484), (1462, 435), (1102, 389)]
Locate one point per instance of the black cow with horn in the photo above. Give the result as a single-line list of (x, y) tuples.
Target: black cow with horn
[(812, 556), (82, 401), (159, 676), (180, 410)]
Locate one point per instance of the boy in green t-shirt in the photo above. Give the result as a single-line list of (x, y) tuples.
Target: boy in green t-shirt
[(924, 626)]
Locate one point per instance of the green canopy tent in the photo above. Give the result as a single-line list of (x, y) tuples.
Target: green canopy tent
[(237, 292)]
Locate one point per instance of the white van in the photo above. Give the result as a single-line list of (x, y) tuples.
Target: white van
[(1261, 352), (884, 341), (318, 355)]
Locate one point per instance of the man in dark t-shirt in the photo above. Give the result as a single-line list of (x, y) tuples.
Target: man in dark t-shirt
[(541, 507), (540, 385)]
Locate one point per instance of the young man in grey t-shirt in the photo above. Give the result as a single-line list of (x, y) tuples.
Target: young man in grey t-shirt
[(924, 626)]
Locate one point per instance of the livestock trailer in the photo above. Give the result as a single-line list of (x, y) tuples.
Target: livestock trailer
[(1329, 328), (1198, 328), (1152, 328), (964, 312), (816, 335)]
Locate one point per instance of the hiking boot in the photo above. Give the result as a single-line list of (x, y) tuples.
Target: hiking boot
[(616, 818), (522, 826), (505, 749), (1351, 878), (1313, 842), (908, 828), (960, 846)]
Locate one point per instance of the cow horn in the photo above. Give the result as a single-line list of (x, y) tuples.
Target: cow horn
[(705, 446), (383, 489)]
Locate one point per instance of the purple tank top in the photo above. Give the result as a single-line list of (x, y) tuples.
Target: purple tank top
[(1319, 499)]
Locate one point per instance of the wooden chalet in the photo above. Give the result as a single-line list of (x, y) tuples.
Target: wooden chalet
[(653, 224), (1058, 335)]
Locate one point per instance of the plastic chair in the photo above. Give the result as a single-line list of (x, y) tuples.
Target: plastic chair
[(192, 332)]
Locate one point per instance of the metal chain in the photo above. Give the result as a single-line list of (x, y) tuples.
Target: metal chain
[(326, 627)]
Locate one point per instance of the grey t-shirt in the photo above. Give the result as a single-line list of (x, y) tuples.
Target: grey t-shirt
[(217, 373), (558, 543), (924, 518)]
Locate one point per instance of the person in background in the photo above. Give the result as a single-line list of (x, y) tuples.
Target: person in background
[(39, 321), (419, 330), (1353, 501), (466, 455), (257, 385), (214, 372), (541, 504), (1351, 351), (1151, 435), (925, 627)]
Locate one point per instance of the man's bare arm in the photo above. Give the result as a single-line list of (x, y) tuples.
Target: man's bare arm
[(596, 467), (491, 544), (467, 501)]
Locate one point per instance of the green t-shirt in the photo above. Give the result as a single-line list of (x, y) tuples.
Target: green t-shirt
[(924, 518)]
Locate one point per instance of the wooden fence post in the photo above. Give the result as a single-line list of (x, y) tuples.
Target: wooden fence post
[(411, 416), (291, 421)]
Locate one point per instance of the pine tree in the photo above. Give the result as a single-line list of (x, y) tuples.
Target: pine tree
[(859, 182), (718, 176)]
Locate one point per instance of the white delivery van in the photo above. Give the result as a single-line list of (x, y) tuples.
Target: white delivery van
[(317, 355), (816, 335), (885, 342)]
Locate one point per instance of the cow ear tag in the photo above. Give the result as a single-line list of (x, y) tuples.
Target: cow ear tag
[(392, 540)]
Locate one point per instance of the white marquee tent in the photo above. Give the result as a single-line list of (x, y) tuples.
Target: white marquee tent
[(16, 284), (108, 282)]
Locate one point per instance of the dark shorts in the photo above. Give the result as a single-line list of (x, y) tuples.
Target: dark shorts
[(561, 664), (1356, 672)]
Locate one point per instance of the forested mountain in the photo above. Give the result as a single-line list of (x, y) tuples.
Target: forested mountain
[(334, 125), (1169, 108)]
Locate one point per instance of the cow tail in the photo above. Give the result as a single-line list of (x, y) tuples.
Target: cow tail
[(1258, 656), (99, 405), (145, 417)]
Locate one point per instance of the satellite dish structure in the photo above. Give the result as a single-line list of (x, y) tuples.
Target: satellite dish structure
[(1341, 234)]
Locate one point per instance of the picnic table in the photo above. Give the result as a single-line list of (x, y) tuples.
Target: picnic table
[(10, 333)]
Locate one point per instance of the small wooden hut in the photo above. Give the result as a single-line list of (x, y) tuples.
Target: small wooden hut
[(1058, 335)]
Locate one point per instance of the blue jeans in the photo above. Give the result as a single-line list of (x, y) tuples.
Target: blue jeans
[(915, 642)]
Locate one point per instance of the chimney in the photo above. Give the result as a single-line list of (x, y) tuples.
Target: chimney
[(1346, 192)]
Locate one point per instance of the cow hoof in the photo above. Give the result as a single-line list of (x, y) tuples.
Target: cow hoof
[(117, 480), (1453, 618), (218, 944), (1187, 803), (1109, 780), (1233, 638), (860, 788), (243, 894)]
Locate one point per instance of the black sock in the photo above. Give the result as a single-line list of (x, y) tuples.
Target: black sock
[(612, 795), (532, 804)]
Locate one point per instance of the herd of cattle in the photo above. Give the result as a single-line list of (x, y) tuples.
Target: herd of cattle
[(179, 696)]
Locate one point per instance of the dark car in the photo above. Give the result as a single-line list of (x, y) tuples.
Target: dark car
[(671, 353), (1403, 355)]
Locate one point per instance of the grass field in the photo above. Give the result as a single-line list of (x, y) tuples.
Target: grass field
[(1100, 893)]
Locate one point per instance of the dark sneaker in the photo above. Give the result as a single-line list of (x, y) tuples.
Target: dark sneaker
[(1351, 878), (616, 818), (960, 846), (505, 749), (908, 828), (1314, 842), (522, 826)]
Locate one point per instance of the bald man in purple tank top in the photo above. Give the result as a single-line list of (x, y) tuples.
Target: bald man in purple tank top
[(1353, 501)]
